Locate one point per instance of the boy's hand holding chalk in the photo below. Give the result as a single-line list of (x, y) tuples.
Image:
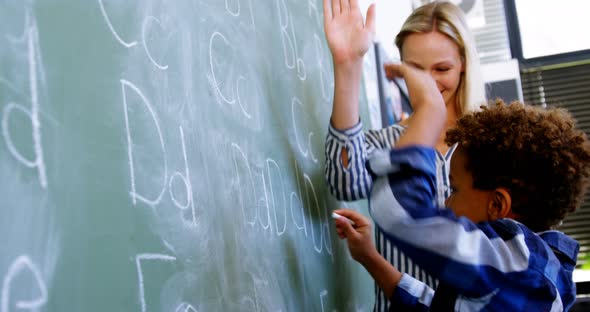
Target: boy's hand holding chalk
[(337, 216), (358, 235)]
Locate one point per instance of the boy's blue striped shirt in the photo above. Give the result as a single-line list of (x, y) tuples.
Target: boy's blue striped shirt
[(489, 266), (506, 235)]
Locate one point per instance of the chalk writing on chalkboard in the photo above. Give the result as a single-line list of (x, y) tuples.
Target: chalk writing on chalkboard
[(32, 45), (22, 265), (168, 156)]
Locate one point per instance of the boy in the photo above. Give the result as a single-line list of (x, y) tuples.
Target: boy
[(517, 171)]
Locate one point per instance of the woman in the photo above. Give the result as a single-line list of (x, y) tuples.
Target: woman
[(434, 39)]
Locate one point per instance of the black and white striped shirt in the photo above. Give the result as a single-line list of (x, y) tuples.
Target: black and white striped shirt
[(354, 182)]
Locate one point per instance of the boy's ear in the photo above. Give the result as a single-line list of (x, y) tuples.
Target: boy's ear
[(500, 205)]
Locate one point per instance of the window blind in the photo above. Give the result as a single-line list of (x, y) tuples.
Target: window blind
[(567, 86), (493, 44)]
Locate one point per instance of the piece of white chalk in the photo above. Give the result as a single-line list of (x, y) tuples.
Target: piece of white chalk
[(337, 216)]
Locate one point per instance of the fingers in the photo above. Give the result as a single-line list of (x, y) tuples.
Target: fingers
[(344, 228), (344, 6), (340, 233), (335, 7), (355, 216), (348, 230), (328, 10), (354, 5), (340, 228), (370, 22), (393, 70)]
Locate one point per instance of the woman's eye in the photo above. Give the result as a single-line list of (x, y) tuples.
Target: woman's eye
[(443, 69)]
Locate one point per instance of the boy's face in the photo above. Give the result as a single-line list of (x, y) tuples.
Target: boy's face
[(465, 200)]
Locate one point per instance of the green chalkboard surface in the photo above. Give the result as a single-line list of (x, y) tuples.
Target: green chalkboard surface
[(168, 156)]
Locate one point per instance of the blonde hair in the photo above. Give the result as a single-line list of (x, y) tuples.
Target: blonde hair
[(449, 20)]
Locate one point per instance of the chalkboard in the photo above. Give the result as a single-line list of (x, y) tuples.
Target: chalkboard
[(168, 156)]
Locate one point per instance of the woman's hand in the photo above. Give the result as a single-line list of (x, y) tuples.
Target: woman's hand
[(349, 37)]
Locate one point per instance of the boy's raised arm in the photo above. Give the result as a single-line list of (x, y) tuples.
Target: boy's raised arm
[(429, 117)]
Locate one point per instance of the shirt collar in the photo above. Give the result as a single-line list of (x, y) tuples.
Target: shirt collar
[(562, 243)]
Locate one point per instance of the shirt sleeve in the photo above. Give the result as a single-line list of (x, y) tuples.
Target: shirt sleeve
[(353, 181), (411, 295), (472, 258)]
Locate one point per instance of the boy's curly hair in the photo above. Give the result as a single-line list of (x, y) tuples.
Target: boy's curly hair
[(536, 153)]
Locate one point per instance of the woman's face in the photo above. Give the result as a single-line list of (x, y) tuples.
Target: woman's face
[(438, 55)]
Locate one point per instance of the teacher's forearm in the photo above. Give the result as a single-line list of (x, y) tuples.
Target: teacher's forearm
[(347, 80)]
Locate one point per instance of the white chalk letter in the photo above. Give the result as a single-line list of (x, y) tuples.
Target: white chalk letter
[(106, 18), (138, 260), (23, 263), (134, 195)]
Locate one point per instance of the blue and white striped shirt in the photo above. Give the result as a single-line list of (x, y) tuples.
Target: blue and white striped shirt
[(488, 266), (353, 182)]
